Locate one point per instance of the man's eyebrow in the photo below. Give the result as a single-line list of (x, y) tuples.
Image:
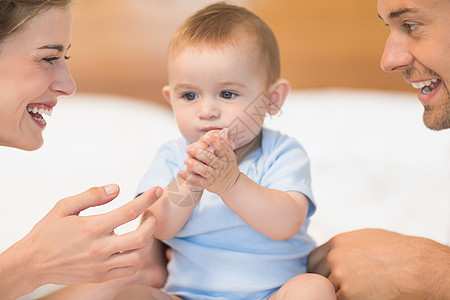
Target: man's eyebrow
[(398, 13)]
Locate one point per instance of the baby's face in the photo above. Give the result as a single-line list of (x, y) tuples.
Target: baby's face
[(218, 88)]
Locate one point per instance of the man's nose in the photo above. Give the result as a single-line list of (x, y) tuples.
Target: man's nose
[(396, 55)]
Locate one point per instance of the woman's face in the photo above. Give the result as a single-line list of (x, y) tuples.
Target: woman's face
[(33, 73)]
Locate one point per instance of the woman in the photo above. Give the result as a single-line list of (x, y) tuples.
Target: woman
[(63, 248)]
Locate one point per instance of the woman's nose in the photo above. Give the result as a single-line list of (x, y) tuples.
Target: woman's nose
[(396, 55), (63, 85)]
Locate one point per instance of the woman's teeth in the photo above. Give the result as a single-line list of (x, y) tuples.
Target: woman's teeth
[(427, 86), (40, 111), (37, 111)]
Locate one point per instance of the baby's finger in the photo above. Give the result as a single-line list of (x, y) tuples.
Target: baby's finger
[(225, 134), (221, 146), (209, 133), (203, 155), (185, 175), (199, 144), (191, 178), (198, 168)]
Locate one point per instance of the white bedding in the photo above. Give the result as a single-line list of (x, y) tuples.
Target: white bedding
[(374, 164)]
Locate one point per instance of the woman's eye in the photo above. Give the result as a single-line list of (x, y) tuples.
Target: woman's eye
[(50, 59), (190, 96), (227, 95)]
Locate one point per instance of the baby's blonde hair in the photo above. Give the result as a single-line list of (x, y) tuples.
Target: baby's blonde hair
[(222, 24)]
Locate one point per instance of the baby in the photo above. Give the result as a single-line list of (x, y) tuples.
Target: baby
[(237, 196)]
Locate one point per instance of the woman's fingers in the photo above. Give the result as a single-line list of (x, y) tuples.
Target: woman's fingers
[(133, 248), (80, 249), (131, 210), (137, 239), (120, 272), (92, 197)]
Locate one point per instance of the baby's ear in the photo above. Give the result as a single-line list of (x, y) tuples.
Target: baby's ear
[(166, 93), (278, 92)]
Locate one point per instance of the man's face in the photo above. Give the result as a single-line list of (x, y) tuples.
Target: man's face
[(419, 46)]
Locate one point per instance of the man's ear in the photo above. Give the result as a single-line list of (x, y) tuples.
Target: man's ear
[(278, 92), (166, 93)]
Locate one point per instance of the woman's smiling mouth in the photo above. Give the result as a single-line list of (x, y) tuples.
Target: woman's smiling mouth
[(38, 110)]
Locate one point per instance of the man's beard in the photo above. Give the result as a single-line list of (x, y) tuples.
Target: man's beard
[(437, 117)]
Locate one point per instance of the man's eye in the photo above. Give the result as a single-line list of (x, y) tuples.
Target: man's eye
[(411, 27), (227, 95), (190, 96)]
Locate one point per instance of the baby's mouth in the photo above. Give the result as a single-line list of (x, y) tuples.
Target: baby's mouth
[(37, 110), (427, 86)]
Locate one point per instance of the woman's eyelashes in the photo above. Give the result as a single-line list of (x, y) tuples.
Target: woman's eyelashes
[(51, 59)]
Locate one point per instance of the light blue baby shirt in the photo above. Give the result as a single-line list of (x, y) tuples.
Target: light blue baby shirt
[(216, 255)]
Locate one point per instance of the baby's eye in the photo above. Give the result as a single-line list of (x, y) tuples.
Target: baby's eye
[(227, 95), (190, 96)]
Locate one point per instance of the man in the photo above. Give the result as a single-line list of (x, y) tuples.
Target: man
[(377, 264)]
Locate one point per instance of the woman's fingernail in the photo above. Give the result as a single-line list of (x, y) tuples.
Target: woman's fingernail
[(158, 192), (111, 189)]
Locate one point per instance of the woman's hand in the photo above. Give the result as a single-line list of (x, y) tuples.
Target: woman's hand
[(65, 248), (152, 272)]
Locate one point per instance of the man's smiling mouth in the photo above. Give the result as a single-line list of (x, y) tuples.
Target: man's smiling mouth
[(426, 86)]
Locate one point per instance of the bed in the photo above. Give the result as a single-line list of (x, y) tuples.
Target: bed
[(374, 164)]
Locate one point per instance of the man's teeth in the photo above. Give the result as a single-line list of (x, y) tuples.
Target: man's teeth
[(422, 84), (41, 111)]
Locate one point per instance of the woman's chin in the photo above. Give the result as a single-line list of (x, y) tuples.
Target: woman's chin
[(29, 144)]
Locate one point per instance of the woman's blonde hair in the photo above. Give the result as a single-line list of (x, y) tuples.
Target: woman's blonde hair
[(15, 13), (222, 24)]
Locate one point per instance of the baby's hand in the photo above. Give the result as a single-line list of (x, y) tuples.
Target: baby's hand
[(189, 175), (211, 163)]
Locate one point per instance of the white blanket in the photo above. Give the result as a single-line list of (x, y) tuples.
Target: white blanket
[(374, 164)]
